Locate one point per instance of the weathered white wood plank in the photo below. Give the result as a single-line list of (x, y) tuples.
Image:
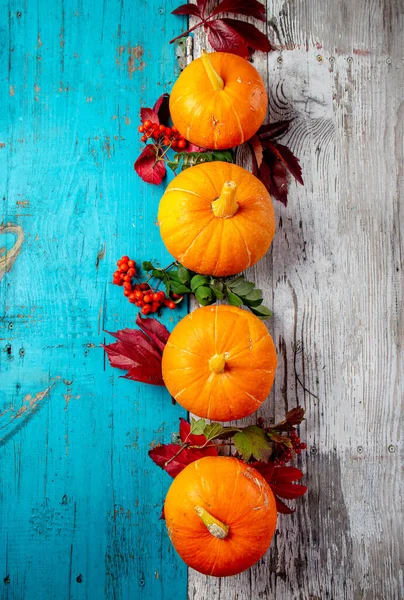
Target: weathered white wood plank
[(334, 280)]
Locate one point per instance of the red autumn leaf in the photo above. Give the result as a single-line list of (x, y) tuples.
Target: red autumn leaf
[(186, 437), (290, 491), (295, 416), (148, 167), (251, 36), (187, 9), (286, 156), (252, 8), (155, 330), (149, 114), (202, 6), (139, 352), (193, 148), (173, 460), (286, 474), (223, 38), (283, 508), (273, 130), (161, 106)]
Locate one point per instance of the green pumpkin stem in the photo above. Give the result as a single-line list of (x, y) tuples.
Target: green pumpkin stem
[(214, 526), (226, 205), (214, 77)]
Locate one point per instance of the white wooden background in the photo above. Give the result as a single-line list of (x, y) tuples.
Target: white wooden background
[(334, 280)]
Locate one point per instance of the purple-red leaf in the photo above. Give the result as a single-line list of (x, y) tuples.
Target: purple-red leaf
[(251, 36), (272, 130), (161, 107), (202, 6), (173, 458), (252, 8), (286, 156), (223, 38), (290, 491), (187, 9), (283, 508), (155, 330), (149, 114), (193, 148), (149, 167), (273, 175)]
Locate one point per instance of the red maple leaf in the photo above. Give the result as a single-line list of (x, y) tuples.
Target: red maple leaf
[(139, 352), (280, 479)]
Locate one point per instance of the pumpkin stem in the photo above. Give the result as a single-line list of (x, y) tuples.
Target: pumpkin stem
[(214, 77), (217, 363), (226, 205), (214, 526)]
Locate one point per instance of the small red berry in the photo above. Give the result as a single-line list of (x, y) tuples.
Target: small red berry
[(140, 128), (146, 309), (162, 128), (177, 296), (155, 306), (174, 129), (303, 446), (146, 124), (127, 285), (139, 303), (143, 138), (182, 144), (131, 272), (122, 276), (162, 296), (168, 131), (171, 305), (131, 264), (138, 295), (166, 141), (118, 262), (147, 298), (127, 293), (124, 258), (144, 286), (123, 267)]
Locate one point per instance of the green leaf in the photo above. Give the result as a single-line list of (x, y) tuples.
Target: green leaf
[(233, 299), (173, 165), (280, 439), (197, 281), (242, 288), (254, 303), (204, 295), (197, 426), (184, 275), (255, 294), (224, 155), (261, 311), (178, 288), (216, 430), (233, 282), (147, 266), (158, 274), (217, 288), (253, 442)]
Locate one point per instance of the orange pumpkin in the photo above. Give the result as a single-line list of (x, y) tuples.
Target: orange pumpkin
[(219, 362), (220, 515), (219, 101), (217, 219)]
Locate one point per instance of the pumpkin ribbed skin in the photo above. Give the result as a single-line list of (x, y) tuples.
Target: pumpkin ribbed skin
[(232, 492), (204, 242), (219, 363), (221, 118)]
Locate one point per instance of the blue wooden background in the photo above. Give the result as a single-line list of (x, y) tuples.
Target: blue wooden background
[(80, 500)]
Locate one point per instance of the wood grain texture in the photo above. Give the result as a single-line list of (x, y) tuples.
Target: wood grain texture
[(79, 499), (334, 279)]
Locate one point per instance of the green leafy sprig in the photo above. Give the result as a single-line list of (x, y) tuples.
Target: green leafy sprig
[(190, 159), (208, 289)]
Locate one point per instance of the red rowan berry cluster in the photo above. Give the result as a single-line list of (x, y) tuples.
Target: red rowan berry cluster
[(167, 136), (140, 294), (285, 454)]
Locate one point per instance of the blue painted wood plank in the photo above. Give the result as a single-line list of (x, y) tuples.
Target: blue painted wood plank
[(80, 500)]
